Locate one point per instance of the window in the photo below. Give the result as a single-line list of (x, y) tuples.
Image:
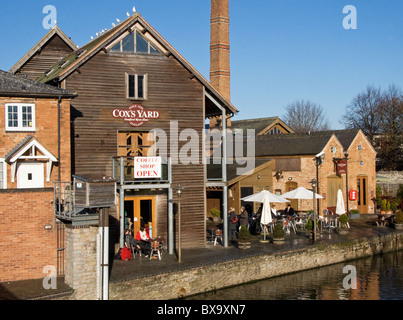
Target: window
[(134, 42), (20, 117), (136, 86)]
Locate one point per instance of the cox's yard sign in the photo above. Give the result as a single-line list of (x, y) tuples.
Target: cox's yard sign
[(147, 167), (135, 115)]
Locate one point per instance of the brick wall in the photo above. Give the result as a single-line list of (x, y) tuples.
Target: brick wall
[(361, 163), (46, 113), (25, 246)]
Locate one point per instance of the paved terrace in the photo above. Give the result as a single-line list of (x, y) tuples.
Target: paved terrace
[(141, 267)]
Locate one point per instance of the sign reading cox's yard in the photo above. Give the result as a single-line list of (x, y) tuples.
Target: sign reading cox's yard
[(136, 115), (147, 167)]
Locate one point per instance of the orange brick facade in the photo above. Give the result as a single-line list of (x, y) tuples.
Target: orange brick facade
[(25, 246), (361, 163)]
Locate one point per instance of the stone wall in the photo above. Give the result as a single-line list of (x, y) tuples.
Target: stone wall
[(208, 278), (82, 262)]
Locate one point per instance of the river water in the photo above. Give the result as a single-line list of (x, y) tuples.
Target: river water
[(376, 278)]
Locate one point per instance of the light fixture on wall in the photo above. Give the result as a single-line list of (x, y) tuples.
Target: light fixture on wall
[(48, 227)]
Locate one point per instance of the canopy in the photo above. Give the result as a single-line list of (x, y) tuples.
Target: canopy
[(340, 209), (259, 197), (301, 193)]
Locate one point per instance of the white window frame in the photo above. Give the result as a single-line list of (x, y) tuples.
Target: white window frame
[(3, 166), (136, 91), (19, 113)]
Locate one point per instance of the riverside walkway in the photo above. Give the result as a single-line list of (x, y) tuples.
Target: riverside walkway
[(142, 268)]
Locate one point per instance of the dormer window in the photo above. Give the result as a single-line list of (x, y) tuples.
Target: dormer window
[(134, 42)]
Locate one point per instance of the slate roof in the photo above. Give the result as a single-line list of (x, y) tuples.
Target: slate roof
[(214, 171), (18, 147), (301, 144), (15, 86)]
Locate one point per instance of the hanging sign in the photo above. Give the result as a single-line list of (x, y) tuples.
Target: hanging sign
[(341, 166), (135, 115), (353, 195), (147, 167)]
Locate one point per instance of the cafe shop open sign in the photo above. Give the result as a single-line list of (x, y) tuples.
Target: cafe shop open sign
[(147, 167)]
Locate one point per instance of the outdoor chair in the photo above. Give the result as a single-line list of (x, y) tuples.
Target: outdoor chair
[(217, 235), (155, 250)]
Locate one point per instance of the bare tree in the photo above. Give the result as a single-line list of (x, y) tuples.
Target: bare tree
[(363, 112), (390, 140), (379, 114), (305, 116)]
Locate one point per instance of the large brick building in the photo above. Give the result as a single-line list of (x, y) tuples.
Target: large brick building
[(34, 153)]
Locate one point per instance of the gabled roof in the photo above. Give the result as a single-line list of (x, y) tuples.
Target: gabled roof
[(12, 85), (291, 144), (38, 47), (260, 125), (27, 143), (302, 144), (72, 62)]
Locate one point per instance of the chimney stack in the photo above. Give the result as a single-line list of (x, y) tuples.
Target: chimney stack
[(220, 50)]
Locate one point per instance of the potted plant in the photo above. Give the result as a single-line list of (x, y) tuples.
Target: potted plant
[(216, 214), (399, 220), (343, 229), (354, 214), (309, 228), (244, 238), (278, 233)]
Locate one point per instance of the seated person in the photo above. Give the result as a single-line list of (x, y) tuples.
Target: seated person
[(130, 241), (289, 211), (143, 237)]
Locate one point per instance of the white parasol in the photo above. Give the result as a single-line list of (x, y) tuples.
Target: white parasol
[(266, 215), (340, 209), (301, 193), (259, 197)]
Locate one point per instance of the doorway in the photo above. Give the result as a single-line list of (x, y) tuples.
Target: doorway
[(362, 197), (289, 186), (141, 212)]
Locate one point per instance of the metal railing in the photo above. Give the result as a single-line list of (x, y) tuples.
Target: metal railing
[(64, 200)]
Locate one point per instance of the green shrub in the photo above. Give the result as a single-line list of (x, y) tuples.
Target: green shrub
[(278, 231), (399, 217), (309, 225), (244, 234), (355, 211), (215, 212), (343, 220)]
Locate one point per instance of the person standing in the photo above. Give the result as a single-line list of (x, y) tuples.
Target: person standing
[(244, 217), (232, 224)]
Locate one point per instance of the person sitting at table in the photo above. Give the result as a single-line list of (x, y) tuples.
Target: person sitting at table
[(289, 211), (130, 241), (144, 238)]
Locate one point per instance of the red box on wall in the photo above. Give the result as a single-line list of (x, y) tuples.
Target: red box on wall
[(353, 195)]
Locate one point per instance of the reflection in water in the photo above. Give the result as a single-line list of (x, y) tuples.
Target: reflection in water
[(377, 278)]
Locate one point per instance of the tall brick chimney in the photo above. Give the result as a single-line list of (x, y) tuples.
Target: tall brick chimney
[(220, 76)]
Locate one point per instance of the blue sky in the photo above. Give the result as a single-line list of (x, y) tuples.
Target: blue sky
[(281, 50)]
